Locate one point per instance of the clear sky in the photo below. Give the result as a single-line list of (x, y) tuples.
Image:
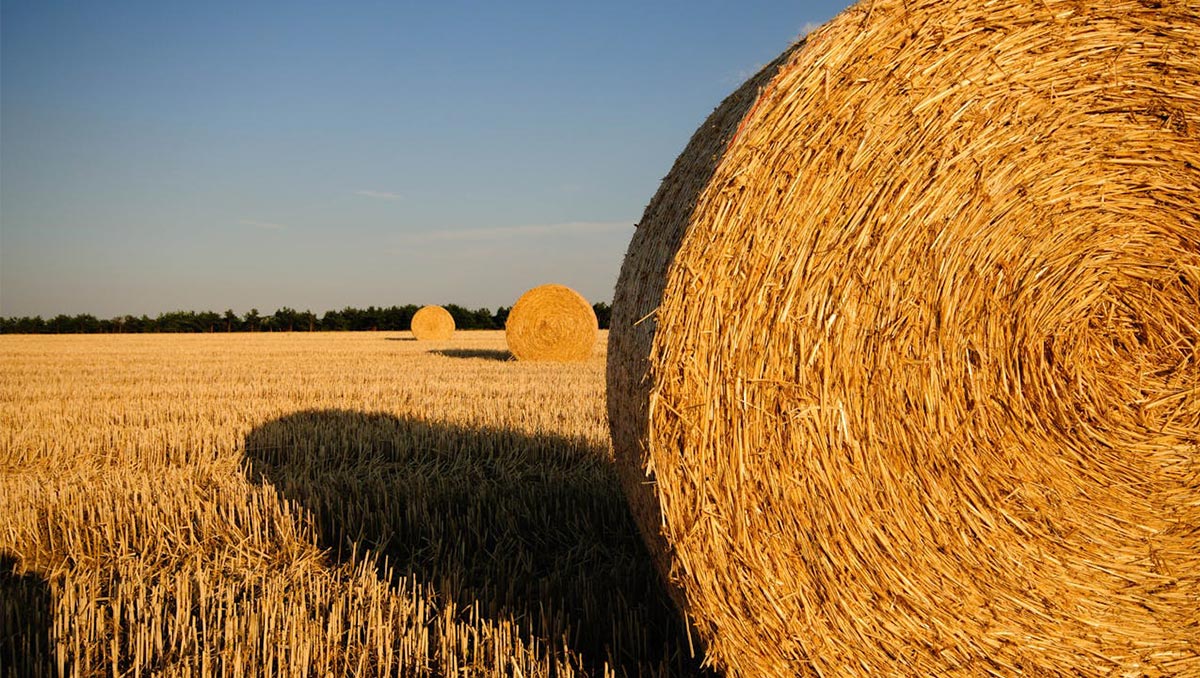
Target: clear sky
[(159, 156)]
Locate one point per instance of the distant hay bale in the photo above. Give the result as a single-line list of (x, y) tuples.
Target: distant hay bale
[(904, 367), (432, 323), (551, 322)]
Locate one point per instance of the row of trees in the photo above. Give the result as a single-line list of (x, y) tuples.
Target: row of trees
[(392, 318)]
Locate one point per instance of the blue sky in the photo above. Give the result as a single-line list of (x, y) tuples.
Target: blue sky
[(157, 156)]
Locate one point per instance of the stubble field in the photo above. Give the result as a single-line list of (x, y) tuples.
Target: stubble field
[(316, 505)]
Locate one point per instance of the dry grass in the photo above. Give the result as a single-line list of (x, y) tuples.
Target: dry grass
[(324, 504), (905, 360)]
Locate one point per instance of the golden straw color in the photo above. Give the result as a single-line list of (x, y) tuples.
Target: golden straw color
[(553, 323), (432, 323), (904, 368)]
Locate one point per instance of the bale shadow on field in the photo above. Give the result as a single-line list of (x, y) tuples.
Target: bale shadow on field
[(533, 527), (26, 617), (399, 338), (480, 353)]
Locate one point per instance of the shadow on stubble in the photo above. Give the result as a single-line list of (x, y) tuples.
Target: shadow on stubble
[(26, 619), (532, 527)]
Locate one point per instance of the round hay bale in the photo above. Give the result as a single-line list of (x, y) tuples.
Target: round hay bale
[(904, 367), (551, 322), (432, 323)]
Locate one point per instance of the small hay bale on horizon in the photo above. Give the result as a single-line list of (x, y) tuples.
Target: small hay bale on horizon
[(904, 361), (551, 323), (432, 323)]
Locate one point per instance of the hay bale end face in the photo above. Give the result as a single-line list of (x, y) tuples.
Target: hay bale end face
[(432, 323), (904, 367), (553, 323)]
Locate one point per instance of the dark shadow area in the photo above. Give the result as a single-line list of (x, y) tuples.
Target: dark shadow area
[(26, 617), (481, 353), (533, 527), (399, 338)]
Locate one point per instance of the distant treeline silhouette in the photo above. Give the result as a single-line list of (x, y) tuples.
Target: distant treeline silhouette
[(392, 318)]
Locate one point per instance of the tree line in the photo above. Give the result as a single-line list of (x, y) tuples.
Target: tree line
[(391, 318)]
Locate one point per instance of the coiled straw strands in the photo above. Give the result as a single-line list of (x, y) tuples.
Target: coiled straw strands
[(551, 322), (432, 323), (904, 368)]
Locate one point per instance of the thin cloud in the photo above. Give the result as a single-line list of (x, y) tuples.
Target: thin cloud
[(745, 74), (379, 195), (511, 232), (264, 225)]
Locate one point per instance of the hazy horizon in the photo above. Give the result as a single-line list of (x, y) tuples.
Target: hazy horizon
[(216, 156)]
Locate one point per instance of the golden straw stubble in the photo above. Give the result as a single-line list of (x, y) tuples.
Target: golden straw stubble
[(904, 367), (432, 323), (553, 323), (213, 492)]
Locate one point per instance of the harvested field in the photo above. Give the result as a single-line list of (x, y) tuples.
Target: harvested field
[(316, 504)]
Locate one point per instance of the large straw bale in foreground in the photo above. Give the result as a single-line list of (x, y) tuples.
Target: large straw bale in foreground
[(432, 323), (904, 368), (551, 322)]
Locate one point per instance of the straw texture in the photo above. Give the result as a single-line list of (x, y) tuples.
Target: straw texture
[(553, 323), (432, 323), (904, 368)]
